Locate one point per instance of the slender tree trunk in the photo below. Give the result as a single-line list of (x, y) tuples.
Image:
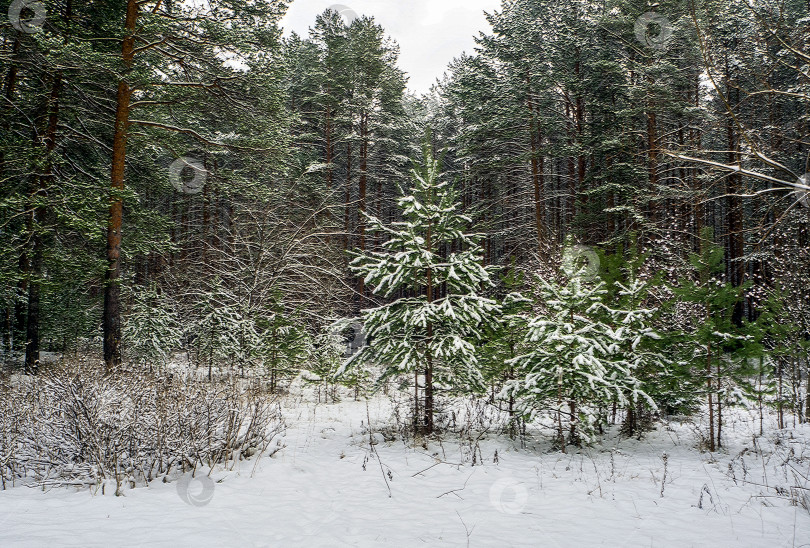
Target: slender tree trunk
[(346, 226), (329, 150), (572, 426), (429, 368), (8, 337), (361, 205), (24, 265), (652, 154), (11, 86), (13, 71), (807, 393), (231, 226), (429, 389), (206, 220), (211, 339), (560, 431), (581, 160), (510, 375), (759, 398), (719, 406), (711, 402), (185, 227), (568, 215), (216, 213), (37, 220), (112, 288), (736, 244), (22, 284), (779, 405), (796, 382), (329, 170), (32, 318), (536, 143), (416, 416)]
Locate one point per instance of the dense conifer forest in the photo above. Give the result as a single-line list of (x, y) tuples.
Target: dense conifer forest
[(594, 225)]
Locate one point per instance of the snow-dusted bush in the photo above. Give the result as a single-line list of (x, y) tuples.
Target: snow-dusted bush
[(75, 426)]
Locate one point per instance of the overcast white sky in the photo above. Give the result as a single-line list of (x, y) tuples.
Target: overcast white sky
[(430, 32)]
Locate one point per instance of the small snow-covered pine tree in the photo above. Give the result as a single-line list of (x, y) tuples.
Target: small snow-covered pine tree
[(329, 349), (282, 345), (151, 329), (637, 341), (637, 349), (575, 359), (714, 341), (775, 338), (505, 341), (223, 332), (434, 326)]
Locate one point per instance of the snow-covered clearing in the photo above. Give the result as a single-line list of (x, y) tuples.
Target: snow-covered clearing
[(327, 488)]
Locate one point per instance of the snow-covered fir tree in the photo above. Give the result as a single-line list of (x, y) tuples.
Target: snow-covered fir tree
[(577, 358), (328, 352), (638, 351), (152, 329), (713, 341), (223, 333), (336, 344), (505, 341), (629, 285), (778, 336), (435, 269), (283, 345)]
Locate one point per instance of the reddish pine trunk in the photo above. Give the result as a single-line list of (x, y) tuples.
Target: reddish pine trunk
[(112, 289)]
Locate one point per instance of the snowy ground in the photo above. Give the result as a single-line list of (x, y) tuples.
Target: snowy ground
[(327, 488)]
